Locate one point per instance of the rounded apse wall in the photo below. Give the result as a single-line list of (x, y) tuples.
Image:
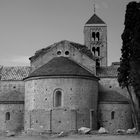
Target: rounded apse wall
[(57, 93)]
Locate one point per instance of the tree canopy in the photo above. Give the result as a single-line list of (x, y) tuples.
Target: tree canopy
[(129, 70)]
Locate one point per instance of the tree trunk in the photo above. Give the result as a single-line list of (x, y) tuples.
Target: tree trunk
[(135, 117)]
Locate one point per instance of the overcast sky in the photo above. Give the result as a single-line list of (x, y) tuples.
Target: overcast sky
[(29, 25)]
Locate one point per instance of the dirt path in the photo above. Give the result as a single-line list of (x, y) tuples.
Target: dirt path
[(74, 137)]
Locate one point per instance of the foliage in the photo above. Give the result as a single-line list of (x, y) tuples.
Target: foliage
[(128, 72)]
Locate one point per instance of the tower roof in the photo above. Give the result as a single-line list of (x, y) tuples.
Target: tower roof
[(95, 20)]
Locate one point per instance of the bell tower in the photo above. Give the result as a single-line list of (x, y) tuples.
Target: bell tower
[(95, 38)]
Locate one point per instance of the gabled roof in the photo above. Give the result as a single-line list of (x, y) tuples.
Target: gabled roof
[(14, 73), (61, 66), (112, 96), (104, 72), (95, 20), (82, 48)]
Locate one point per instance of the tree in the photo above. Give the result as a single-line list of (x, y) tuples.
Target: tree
[(128, 72)]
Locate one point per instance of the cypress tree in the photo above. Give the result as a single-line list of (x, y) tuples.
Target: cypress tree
[(128, 72)]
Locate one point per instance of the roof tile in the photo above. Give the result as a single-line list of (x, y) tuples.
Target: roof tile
[(110, 71), (14, 73), (111, 96)]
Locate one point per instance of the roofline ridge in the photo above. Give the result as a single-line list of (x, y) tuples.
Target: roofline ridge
[(51, 47), (77, 43), (14, 66), (54, 45), (58, 76)]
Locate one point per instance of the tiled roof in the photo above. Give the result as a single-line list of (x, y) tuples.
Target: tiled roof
[(111, 96), (11, 96), (110, 71), (82, 48), (95, 20), (61, 66), (14, 73)]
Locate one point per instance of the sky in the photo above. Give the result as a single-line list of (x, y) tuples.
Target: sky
[(29, 25)]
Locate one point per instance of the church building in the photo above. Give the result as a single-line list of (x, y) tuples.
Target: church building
[(67, 86)]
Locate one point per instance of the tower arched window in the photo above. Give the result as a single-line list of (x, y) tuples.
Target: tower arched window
[(97, 63), (7, 116), (98, 51), (93, 36), (93, 50), (58, 98), (97, 36)]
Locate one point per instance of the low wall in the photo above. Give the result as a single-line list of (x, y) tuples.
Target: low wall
[(57, 120)]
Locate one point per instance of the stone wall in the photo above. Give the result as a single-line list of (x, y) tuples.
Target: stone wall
[(78, 94), (122, 118), (74, 55), (52, 121), (7, 86), (112, 84), (16, 120), (57, 120)]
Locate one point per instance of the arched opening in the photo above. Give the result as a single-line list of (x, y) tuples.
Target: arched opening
[(98, 36), (112, 115), (93, 50), (58, 98), (93, 36), (7, 116), (97, 63), (98, 51)]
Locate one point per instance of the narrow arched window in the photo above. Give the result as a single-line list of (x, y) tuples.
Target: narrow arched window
[(93, 50), (98, 51), (57, 98), (7, 116), (93, 36), (112, 115), (97, 63), (98, 36)]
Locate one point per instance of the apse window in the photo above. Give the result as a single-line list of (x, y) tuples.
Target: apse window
[(58, 98), (112, 115), (7, 116)]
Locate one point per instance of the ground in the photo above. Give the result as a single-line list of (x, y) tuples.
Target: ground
[(75, 137)]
